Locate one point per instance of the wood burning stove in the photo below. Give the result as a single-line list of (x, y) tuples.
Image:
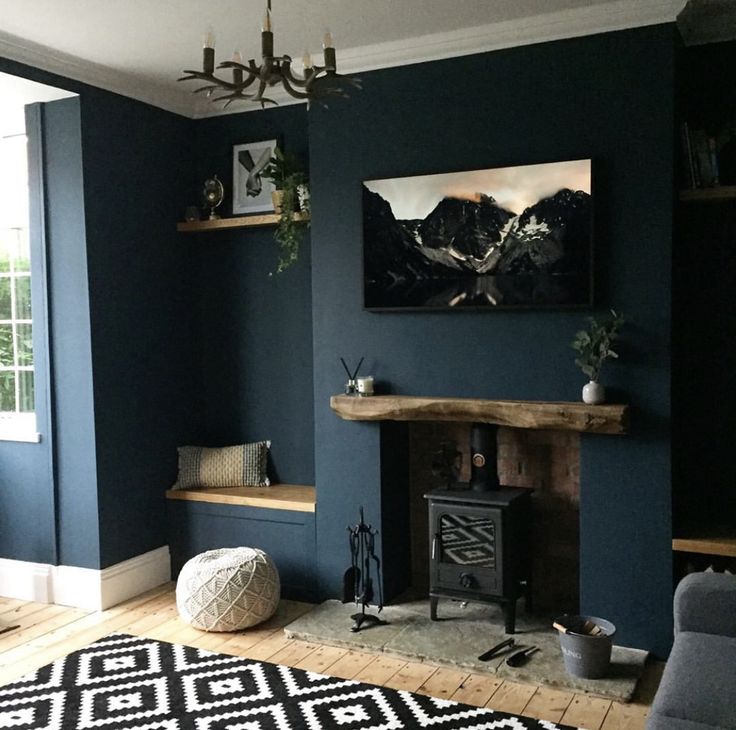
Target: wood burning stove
[(480, 536)]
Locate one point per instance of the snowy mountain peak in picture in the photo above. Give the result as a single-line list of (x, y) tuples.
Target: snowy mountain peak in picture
[(505, 237)]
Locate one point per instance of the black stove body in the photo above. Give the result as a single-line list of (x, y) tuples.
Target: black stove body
[(480, 538)]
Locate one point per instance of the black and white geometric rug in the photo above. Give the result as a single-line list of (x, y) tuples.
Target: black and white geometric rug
[(129, 682)]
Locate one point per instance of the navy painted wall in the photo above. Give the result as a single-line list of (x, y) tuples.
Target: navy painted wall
[(255, 329), (137, 169), (124, 377), (607, 97), (72, 427), (287, 537), (219, 332)]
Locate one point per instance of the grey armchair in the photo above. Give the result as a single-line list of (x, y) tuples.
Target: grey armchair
[(698, 687)]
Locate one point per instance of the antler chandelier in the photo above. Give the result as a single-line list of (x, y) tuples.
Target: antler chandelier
[(316, 83)]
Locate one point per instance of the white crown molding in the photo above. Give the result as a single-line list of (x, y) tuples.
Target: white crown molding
[(92, 590), (77, 69), (571, 23), (558, 25)]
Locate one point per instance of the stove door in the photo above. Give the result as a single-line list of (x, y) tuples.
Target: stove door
[(466, 548)]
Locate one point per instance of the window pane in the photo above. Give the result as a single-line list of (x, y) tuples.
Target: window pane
[(4, 251), (7, 391), (24, 344), (26, 394), (6, 344), (22, 298), (22, 263), (5, 312)]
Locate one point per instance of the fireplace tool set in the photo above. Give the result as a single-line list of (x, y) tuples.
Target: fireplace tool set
[(358, 581)]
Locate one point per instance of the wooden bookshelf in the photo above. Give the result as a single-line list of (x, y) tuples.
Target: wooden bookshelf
[(723, 546), (245, 221), (709, 195), (289, 497)]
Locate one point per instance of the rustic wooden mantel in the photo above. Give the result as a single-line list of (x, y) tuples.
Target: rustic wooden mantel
[(606, 418)]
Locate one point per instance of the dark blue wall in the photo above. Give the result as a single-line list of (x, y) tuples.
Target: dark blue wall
[(194, 331), (607, 97), (255, 328), (124, 382), (137, 169), (72, 425), (287, 537)]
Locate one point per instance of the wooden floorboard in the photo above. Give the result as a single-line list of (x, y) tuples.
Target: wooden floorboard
[(548, 704), (477, 689), (511, 697), (46, 633), (587, 712)]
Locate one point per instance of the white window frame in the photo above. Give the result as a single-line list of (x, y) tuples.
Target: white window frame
[(17, 426)]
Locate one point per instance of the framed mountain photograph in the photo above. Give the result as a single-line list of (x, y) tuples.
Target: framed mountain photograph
[(509, 237)]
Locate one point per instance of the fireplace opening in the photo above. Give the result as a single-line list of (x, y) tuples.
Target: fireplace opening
[(544, 464)]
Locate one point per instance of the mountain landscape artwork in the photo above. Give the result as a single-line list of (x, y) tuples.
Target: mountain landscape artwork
[(496, 238)]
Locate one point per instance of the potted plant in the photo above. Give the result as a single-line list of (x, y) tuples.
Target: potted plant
[(291, 189), (594, 346)]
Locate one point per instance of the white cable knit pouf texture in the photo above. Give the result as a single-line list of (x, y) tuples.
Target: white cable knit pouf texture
[(228, 589)]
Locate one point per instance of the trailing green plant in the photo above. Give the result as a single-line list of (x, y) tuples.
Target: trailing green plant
[(283, 171), (280, 168), (288, 231), (594, 344)]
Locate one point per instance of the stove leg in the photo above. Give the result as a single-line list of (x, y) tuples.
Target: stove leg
[(528, 603), (433, 601), (509, 616)]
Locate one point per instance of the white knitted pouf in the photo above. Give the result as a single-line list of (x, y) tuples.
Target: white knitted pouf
[(228, 589)]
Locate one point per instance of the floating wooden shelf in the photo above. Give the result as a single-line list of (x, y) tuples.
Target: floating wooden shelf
[(610, 419), (245, 221), (716, 543), (290, 497), (712, 195)]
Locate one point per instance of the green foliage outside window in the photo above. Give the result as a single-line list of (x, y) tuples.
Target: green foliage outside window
[(16, 328)]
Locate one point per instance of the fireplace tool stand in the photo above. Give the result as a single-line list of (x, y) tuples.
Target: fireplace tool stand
[(358, 581)]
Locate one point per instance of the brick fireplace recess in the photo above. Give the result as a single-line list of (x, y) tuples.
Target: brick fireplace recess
[(536, 452)]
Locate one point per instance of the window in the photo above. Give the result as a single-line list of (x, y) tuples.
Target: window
[(16, 323)]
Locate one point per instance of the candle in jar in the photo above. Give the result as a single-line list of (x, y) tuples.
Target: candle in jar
[(365, 385)]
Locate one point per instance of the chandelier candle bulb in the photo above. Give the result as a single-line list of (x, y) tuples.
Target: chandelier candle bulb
[(307, 60), (208, 52), (267, 22), (237, 72), (267, 44)]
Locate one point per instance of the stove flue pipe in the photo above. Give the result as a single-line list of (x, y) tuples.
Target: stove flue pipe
[(483, 457)]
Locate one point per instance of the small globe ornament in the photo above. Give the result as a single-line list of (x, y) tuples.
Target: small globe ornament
[(213, 194)]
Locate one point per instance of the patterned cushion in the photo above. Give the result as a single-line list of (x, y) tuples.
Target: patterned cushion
[(230, 466), (228, 589)]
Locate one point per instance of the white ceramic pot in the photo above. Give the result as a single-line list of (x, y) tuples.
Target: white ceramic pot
[(593, 393), (302, 193)]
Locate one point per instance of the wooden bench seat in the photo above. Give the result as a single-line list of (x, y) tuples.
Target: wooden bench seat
[(290, 497)]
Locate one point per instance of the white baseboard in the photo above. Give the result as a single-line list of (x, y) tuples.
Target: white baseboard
[(26, 581), (93, 590)]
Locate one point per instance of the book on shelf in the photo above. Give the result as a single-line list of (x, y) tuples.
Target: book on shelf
[(688, 162), (700, 158)]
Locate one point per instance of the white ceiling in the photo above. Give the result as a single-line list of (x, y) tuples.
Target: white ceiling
[(15, 93), (138, 47)]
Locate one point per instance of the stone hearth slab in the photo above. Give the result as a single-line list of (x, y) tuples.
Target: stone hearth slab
[(460, 636)]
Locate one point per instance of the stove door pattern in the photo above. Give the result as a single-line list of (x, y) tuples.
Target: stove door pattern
[(466, 549), (468, 540)]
